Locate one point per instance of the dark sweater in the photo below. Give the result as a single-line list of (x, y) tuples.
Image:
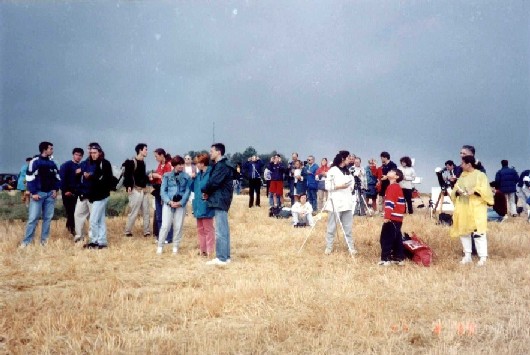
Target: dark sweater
[(135, 174)]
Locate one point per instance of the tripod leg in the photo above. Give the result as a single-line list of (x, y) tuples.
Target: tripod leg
[(338, 221), (313, 226)]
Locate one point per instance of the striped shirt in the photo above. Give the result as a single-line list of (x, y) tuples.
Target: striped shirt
[(394, 203)]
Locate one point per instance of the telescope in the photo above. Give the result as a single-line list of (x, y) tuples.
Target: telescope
[(441, 181)]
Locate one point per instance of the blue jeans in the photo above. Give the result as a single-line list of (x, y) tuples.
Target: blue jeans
[(312, 198), (45, 206), (222, 235), (493, 216), (158, 218), (98, 223)]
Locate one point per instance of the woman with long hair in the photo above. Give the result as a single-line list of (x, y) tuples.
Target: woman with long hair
[(98, 195), (339, 184), (164, 166), (175, 192), (406, 184)]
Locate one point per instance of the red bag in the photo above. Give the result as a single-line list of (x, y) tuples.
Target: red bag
[(421, 252)]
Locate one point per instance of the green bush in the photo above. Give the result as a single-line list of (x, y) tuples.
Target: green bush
[(11, 207)]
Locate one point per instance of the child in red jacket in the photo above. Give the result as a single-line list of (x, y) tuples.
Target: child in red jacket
[(394, 209)]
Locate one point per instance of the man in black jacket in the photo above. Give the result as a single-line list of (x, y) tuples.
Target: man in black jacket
[(135, 182), (218, 193), (70, 173)]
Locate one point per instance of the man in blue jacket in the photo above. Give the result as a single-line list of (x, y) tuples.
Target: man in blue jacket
[(43, 182), (312, 183), (507, 179), (70, 173), (218, 193)]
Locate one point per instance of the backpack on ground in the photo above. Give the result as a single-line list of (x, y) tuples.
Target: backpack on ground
[(445, 219), (417, 250), (279, 212)]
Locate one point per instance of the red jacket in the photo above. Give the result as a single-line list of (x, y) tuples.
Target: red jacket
[(394, 203)]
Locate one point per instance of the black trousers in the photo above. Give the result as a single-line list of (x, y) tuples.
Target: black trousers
[(254, 186), (391, 242), (69, 203), (407, 193)]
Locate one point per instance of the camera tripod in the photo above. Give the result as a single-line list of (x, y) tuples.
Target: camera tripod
[(351, 250), (439, 202), (360, 204)]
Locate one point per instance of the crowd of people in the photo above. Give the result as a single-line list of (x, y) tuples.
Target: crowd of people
[(85, 186), (342, 189)]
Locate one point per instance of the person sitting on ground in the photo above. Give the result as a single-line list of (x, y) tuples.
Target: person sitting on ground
[(498, 211), (302, 212)]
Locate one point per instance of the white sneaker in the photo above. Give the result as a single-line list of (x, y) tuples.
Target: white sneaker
[(384, 263), (399, 263), (159, 250), (466, 260), (482, 261), (328, 251), (78, 238), (23, 246), (217, 262), (175, 250)]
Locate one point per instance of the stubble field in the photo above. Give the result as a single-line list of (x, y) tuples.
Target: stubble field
[(270, 299)]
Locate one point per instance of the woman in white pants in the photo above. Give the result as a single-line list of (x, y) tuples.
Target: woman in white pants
[(471, 196), (175, 192)]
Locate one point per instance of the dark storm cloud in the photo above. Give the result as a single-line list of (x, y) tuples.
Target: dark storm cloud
[(413, 78)]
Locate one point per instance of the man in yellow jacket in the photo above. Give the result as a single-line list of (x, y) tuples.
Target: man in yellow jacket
[(471, 197)]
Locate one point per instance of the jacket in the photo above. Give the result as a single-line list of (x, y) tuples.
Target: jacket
[(21, 182), (42, 175), (252, 169), (277, 171), (341, 198), (408, 177), (394, 203), (101, 181), (471, 212), (219, 187), (200, 206), (312, 183), (135, 173), (70, 181), (507, 179), (174, 184), (85, 185)]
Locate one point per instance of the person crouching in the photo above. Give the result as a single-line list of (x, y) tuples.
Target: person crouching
[(302, 212), (175, 192), (391, 238)]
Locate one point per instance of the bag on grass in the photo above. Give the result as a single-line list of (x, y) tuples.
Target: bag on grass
[(445, 219), (417, 250)]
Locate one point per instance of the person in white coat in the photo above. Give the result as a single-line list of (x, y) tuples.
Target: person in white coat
[(339, 184)]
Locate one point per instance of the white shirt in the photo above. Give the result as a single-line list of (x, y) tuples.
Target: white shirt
[(342, 198)]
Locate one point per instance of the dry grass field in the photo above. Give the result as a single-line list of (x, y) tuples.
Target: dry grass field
[(270, 299)]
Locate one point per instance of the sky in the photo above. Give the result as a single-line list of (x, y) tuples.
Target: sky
[(414, 78)]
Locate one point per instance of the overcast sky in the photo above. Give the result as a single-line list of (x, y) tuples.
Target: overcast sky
[(416, 78)]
